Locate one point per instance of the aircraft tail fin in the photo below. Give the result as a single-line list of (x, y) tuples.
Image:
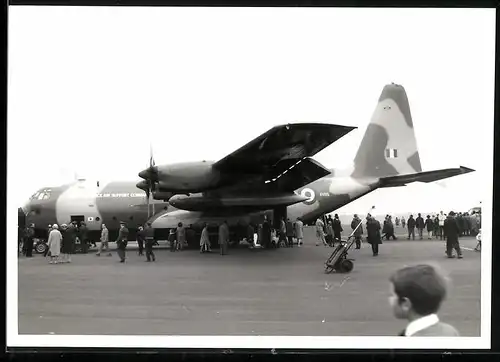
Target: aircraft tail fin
[(389, 146)]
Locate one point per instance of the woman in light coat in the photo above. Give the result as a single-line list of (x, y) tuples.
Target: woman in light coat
[(299, 231), (320, 232), (205, 240), (54, 243)]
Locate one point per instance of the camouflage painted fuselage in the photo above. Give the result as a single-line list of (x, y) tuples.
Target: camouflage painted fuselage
[(121, 201), (108, 203)]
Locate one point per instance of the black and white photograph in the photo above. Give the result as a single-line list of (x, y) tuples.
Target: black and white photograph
[(231, 177)]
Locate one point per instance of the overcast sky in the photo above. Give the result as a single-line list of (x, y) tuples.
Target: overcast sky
[(90, 88)]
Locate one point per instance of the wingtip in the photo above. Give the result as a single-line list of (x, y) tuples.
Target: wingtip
[(313, 124), (467, 169)]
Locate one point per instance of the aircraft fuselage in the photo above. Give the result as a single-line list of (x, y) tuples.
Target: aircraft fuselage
[(113, 202)]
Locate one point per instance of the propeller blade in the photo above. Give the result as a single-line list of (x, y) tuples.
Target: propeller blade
[(151, 158), (147, 194), (150, 177)]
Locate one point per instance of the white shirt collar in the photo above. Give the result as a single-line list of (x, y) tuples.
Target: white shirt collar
[(422, 323)]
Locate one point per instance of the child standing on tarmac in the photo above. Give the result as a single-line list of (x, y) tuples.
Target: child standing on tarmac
[(416, 295)]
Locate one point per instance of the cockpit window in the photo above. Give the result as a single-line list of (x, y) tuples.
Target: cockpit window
[(34, 196), (41, 195)]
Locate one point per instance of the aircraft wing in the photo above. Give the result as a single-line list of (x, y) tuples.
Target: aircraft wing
[(292, 141), (291, 175), (428, 176)]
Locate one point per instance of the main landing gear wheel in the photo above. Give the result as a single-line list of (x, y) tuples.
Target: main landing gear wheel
[(346, 266)]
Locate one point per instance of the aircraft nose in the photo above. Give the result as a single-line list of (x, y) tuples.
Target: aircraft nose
[(25, 208)]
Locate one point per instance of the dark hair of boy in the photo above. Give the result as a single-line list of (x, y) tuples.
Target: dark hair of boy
[(422, 285)]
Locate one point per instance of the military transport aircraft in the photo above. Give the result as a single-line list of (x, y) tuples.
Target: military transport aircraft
[(272, 175)]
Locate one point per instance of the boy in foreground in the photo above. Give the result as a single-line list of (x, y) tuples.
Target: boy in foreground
[(417, 294)]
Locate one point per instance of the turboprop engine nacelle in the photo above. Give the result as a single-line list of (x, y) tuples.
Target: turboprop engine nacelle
[(188, 177), (162, 195)]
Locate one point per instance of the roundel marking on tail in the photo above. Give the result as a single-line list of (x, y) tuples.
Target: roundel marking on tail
[(310, 194)]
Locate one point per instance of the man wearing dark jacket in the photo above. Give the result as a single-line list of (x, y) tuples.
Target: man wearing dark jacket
[(452, 232), (389, 228), (420, 224), (83, 231), (28, 240), (266, 234), (121, 242), (357, 232), (337, 229), (150, 240), (429, 224), (373, 231), (411, 227), (141, 235), (71, 234), (68, 242), (437, 229)]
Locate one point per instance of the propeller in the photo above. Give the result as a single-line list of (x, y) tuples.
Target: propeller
[(150, 176)]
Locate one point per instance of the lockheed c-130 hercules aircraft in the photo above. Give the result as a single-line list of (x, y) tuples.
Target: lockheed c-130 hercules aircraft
[(271, 175)]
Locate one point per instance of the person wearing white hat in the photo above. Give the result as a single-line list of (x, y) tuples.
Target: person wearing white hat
[(54, 243)]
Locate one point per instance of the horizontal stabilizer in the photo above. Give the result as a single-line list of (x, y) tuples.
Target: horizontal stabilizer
[(290, 175), (428, 176)]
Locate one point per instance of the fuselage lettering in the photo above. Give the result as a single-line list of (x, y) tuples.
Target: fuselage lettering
[(119, 195)]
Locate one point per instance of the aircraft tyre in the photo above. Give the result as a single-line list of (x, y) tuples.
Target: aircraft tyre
[(41, 247), (346, 266)]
